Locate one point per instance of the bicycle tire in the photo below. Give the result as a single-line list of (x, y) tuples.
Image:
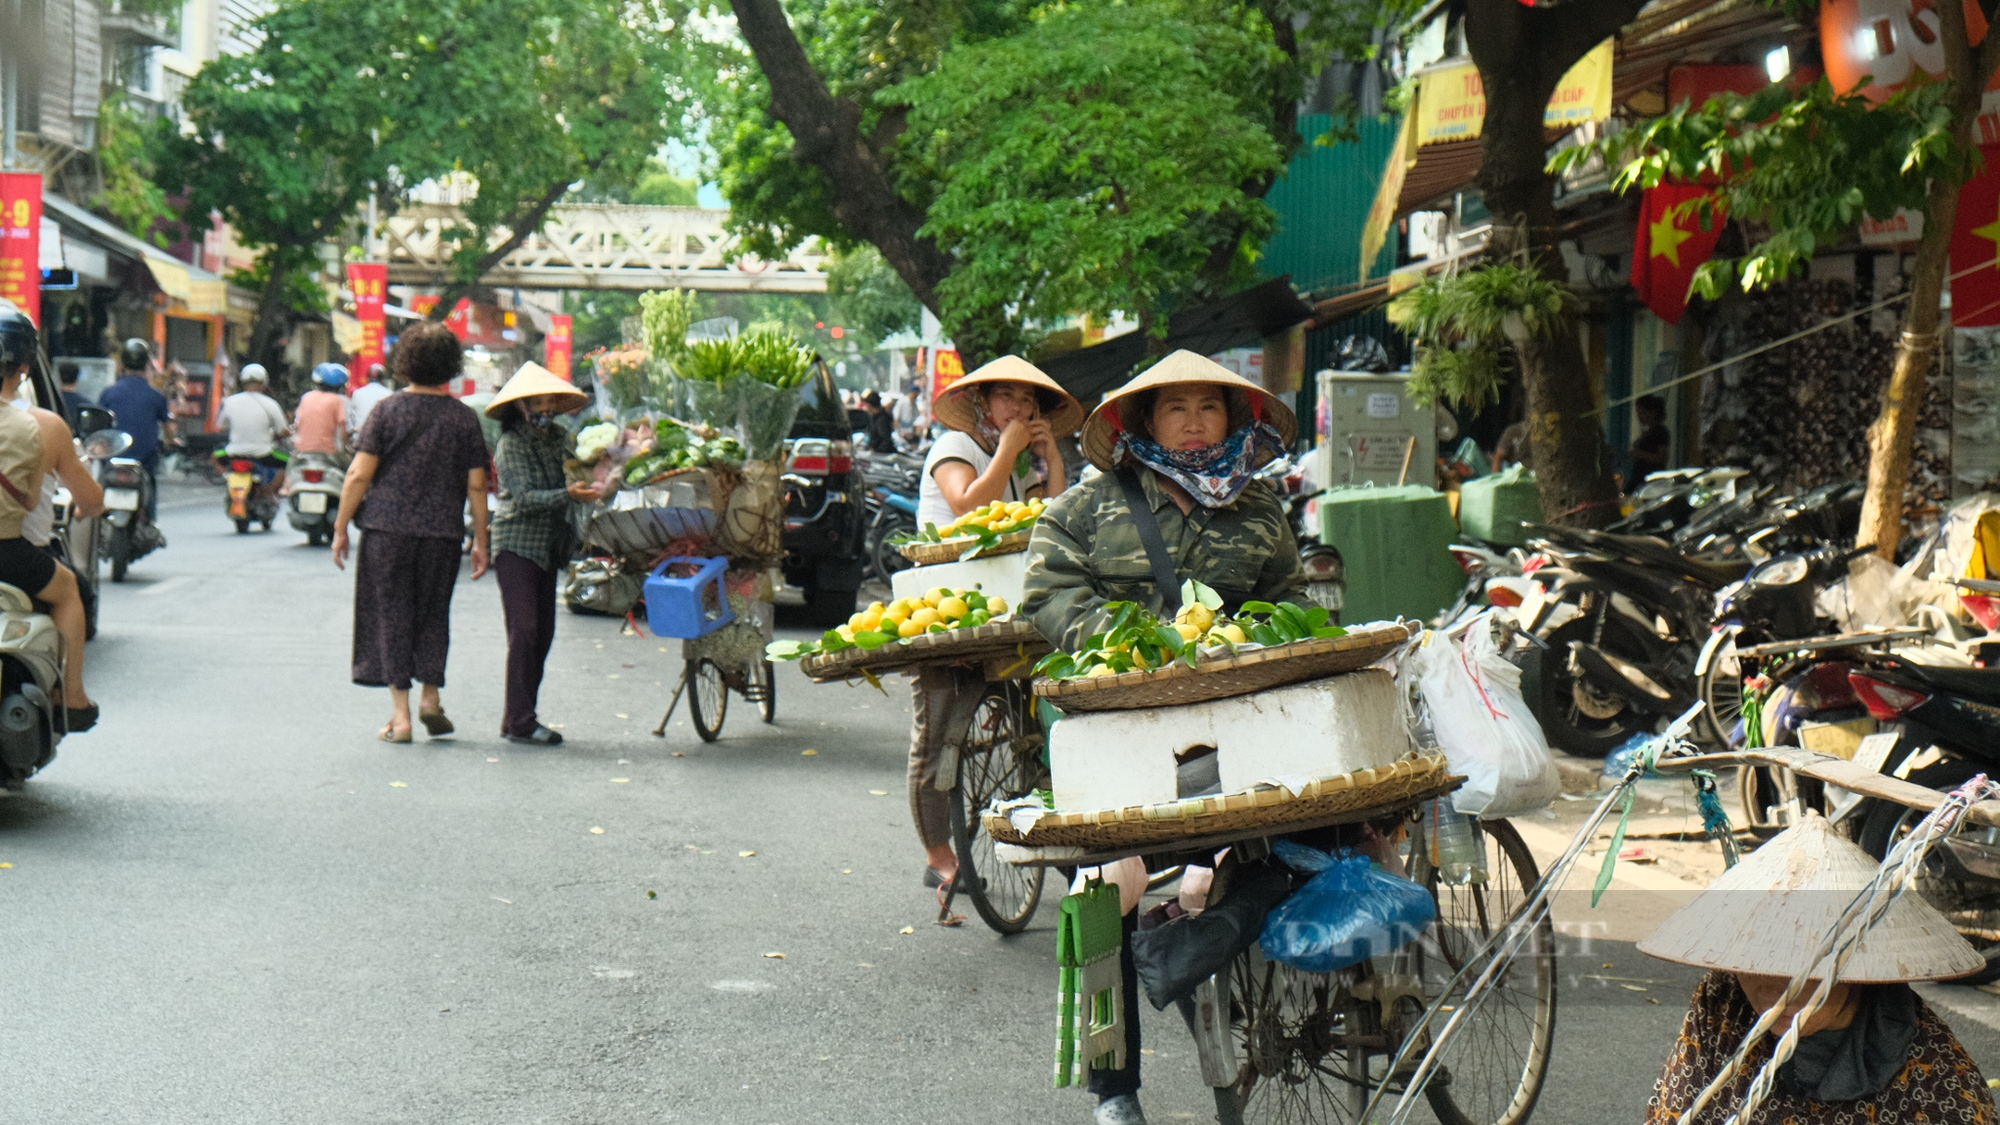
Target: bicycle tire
[(705, 680), (1000, 760), (766, 678)]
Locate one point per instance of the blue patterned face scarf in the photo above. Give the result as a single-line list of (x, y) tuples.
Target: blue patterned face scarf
[(1214, 475)]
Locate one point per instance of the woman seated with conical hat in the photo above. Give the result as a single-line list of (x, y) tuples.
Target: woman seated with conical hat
[(1873, 1053)]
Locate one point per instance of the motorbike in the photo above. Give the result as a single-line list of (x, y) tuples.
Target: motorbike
[(1325, 568), (32, 718), (892, 480), (131, 533), (253, 493), (312, 487)]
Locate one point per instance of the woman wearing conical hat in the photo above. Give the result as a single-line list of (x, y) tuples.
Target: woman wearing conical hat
[(1004, 420), (1179, 447), (1874, 1052), (531, 535)]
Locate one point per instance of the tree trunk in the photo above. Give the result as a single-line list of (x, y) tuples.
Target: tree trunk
[(274, 315), (1522, 53), (518, 231), (1894, 432)]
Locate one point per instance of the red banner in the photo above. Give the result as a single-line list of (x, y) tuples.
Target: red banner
[(556, 347), (370, 282), (21, 241), (1669, 247), (948, 368), (1975, 247)]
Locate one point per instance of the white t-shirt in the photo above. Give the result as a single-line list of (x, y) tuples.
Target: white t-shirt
[(955, 445), (254, 422), (360, 403)]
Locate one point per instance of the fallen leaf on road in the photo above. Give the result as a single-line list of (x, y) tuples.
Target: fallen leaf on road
[(1633, 987), (620, 780), (555, 726), (774, 956), (847, 871), (6, 865), (663, 650), (865, 964), (879, 792), (692, 847), (652, 894), (399, 785), (708, 851), (492, 759), (1607, 964), (621, 714), (907, 930), (497, 898), (596, 831), (680, 753), (808, 753), (746, 855), (1652, 1000)]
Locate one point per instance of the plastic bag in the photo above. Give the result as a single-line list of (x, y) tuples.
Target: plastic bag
[(1348, 913), (1482, 724)]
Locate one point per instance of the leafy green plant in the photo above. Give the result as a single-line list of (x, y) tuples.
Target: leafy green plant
[(126, 171), (1136, 639), (775, 358), (1464, 323), (665, 316)]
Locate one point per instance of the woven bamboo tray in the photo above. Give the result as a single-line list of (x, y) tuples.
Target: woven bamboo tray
[(1241, 673), (1198, 817), (1003, 638), (924, 554)]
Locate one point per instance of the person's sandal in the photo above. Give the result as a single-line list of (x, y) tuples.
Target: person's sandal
[(388, 734), (435, 723), (76, 720), (540, 736)]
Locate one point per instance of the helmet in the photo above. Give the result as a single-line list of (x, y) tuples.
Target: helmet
[(377, 372), (332, 376), (135, 355), (18, 338), (253, 373)]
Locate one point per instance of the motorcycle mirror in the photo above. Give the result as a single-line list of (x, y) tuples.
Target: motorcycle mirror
[(105, 443), (90, 419)]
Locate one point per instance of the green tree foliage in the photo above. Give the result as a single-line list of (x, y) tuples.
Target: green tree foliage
[(126, 171), (1801, 167), (868, 299), (1094, 162), (1465, 322), (655, 186)]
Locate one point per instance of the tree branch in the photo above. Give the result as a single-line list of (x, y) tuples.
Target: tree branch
[(518, 231)]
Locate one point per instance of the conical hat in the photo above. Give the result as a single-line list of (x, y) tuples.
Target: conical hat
[(534, 379), (1765, 915), (957, 408), (1111, 418)]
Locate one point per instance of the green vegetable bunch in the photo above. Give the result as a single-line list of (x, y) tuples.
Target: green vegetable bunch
[(1136, 639), (775, 358), (677, 447)]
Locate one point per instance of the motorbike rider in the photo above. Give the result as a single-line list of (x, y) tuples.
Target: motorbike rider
[(321, 418), (142, 411), (34, 443), (378, 387), (255, 423), (1179, 448)]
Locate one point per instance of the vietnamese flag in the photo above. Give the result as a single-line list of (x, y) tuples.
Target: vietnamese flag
[(1975, 244), (1668, 248)]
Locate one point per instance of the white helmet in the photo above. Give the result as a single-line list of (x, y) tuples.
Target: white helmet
[(253, 373)]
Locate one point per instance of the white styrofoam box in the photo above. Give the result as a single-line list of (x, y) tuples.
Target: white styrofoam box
[(1003, 575), (1322, 728)]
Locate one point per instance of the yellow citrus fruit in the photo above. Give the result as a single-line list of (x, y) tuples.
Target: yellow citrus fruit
[(869, 620), (996, 606), (936, 595), (854, 622), (876, 607), (894, 618), (909, 628), (924, 618), (953, 608), (846, 634), (1235, 634), (1100, 670), (1188, 632)]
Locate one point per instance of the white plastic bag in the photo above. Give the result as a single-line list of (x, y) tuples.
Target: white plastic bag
[(1482, 724)]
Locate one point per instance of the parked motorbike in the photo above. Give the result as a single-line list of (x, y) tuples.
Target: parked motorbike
[(32, 719), (312, 487), (131, 534), (892, 480), (252, 495)]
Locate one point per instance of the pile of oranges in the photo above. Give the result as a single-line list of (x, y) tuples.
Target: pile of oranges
[(999, 517), (939, 609)]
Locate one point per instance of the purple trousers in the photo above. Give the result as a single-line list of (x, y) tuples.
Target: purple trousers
[(528, 598), (402, 608)]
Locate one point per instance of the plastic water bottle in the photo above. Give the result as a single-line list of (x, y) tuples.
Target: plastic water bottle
[(1458, 847)]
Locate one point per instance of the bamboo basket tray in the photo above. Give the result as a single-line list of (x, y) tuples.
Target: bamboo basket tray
[(1241, 673), (1000, 639), (924, 554), (1137, 826)]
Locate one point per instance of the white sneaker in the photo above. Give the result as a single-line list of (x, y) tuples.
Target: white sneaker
[(1121, 1110)]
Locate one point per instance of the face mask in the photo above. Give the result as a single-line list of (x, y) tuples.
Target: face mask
[(1215, 475)]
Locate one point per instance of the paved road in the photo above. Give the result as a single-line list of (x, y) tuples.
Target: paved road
[(229, 904)]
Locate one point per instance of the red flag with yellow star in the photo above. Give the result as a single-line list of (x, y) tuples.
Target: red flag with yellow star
[(1669, 247), (1975, 244)]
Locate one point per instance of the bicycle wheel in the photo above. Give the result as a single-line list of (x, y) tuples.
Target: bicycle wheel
[(1494, 1070), (1721, 688), (1001, 760), (708, 698), (765, 683), (1301, 1045)]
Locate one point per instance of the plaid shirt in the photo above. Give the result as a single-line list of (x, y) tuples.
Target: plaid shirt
[(534, 519)]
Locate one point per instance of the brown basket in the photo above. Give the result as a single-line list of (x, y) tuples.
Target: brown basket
[(1004, 638), (924, 554), (1196, 817), (1241, 673)]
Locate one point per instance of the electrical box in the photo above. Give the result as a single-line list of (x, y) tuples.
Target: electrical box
[(1372, 433)]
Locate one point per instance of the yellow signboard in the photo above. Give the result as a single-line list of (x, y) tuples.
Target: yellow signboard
[(1451, 101)]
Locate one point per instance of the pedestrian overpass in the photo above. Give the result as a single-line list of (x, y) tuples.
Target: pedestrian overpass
[(605, 246)]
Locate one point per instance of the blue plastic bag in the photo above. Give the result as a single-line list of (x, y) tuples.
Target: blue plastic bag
[(1348, 913)]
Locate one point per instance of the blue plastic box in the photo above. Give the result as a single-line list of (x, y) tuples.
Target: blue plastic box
[(688, 607)]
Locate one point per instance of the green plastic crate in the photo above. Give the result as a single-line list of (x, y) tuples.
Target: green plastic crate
[(1396, 543), (1493, 508)]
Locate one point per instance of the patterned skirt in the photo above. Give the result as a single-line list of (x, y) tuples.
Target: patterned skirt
[(402, 608)]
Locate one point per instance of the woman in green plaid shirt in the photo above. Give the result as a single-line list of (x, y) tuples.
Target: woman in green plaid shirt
[(531, 535)]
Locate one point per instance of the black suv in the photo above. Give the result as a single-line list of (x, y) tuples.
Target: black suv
[(826, 513)]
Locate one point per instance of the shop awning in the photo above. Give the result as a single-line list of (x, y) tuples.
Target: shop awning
[(200, 291), (1257, 312)]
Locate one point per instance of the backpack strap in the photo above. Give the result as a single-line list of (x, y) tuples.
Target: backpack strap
[(1164, 574)]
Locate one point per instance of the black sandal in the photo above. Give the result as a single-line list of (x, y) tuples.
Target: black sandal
[(76, 720)]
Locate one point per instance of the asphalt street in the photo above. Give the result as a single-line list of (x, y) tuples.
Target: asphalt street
[(230, 904)]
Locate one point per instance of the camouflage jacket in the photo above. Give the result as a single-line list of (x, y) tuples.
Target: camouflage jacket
[(1086, 551)]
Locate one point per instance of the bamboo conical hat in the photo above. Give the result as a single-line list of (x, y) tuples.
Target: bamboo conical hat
[(1767, 913), (1111, 418), (533, 379), (958, 407)]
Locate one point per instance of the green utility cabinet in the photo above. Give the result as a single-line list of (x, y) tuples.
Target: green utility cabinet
[(1396, 544), (1493, 508)]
